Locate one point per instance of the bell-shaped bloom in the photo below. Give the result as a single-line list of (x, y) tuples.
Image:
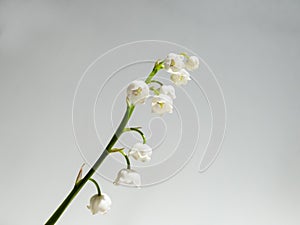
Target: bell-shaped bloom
[(128, 177), (181, 78), (99, 204), (168, 90), (141, 152), (162, 104), (192, 63), (174, 63), (137, 92)]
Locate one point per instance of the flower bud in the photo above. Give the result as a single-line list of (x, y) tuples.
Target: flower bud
[(192, 63)]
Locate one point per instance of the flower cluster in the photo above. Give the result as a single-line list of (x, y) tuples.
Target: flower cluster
[(138, 91), (177, 65)]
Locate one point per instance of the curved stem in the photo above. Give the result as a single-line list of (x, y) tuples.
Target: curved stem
[(126, 158), (120, 150), (156, 92), (156, 81), (97, 186), (138, 131)]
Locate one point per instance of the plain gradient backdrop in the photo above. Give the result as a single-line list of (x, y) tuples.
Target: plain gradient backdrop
[(253, 47)]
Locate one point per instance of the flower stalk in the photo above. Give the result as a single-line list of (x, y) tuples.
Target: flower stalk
[(80, 184), (97, 186), (138, 92), (158, 66), (137, 129)]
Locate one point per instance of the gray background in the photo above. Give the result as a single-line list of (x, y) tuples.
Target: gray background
[(253, 46)]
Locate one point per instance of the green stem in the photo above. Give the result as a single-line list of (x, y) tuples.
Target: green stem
[(156, 92), (59, 211), (97, 186), (138, 131), (120, 150), (158, 66), (126, 158), (157, 82)]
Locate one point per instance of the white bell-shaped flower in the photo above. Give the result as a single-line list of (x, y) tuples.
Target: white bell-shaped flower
[(162, 104), (137, 92), (141, 152), (99, 204), (174, 63), (128, 177), (181, 78)]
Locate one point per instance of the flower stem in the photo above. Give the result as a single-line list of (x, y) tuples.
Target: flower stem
[(97, 186), (156, 92), (138, 131), (78, 186), (126, 158), (158, 66), (157, 82)]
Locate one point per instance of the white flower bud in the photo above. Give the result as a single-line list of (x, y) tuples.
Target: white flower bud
[(192, 63), (141, 152), (99, 203), (137, 92)]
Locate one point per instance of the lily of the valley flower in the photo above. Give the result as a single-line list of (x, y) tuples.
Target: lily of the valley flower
[(181, 78), (162, 104), (137, 92), (99, 204), (168, 90), (128, 177), (174, 63), (192, 63), (141, 152)]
